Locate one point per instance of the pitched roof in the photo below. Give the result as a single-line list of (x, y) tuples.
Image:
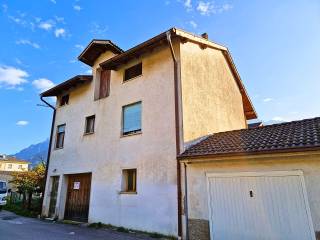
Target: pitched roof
[(95, 48), (285, 137), (142, 48), (72, 82), (12, 159)]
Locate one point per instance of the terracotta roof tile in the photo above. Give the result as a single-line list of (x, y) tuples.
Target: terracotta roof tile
[(271, 138)]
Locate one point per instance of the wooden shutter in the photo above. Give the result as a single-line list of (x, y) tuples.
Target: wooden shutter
[(104, 89)]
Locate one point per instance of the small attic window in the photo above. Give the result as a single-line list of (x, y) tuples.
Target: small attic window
[(132, 72), (64, 100)]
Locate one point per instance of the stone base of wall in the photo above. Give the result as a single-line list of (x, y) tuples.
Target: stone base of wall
[(199, 229)]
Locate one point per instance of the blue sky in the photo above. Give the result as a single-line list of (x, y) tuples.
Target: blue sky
[(275, 45)]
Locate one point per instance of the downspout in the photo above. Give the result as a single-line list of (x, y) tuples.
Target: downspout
[(186, 212), (177, 123), (50, 145)]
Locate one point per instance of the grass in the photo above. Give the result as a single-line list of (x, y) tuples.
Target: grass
[(99, 225), (19, 210)]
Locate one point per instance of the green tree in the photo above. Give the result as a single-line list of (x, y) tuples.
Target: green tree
[(29, 182)]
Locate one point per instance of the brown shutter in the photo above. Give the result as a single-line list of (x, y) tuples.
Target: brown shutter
[(104, 83)]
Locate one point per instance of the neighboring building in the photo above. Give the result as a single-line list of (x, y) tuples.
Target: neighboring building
[(12, 164), (117, 134), (260, 183)]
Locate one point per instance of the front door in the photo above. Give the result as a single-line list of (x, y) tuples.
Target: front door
[(78, 197), (53, 196)]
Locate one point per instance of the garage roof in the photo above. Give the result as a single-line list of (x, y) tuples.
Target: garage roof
[(285, 137)]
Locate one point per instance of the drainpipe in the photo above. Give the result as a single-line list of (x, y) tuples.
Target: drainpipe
[(50, 144), (177, 123), (186, 212)]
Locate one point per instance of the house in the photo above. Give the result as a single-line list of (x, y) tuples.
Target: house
[(259, 183), (12, 164), (157, 140), (116, 134)]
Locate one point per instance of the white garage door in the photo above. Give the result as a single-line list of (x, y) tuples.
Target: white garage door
[(259, 206)]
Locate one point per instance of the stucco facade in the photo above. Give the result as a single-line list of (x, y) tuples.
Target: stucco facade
[(209, 101), (197, 171)]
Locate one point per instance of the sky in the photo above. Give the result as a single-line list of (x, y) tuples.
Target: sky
[(275, 45)]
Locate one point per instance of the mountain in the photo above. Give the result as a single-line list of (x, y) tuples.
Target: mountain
[(270, 122), (35, 153)]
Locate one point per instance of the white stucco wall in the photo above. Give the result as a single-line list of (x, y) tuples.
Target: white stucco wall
[(197, 180), (105, 153)]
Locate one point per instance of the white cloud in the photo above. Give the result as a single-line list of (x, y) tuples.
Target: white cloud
[(89, 71), (267, 100), (97, 29), (81, 47), (60, 32), (22, 123), (59, 19), (53, 1), (277, 118), (193, 24), (187, 4), (42, 84), (12, 77), (77, 7), (46, 25), (28, 42), (209, 7), (167, 2), (72, 61)]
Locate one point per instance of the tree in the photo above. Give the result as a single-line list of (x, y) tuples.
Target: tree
[(29, 182)]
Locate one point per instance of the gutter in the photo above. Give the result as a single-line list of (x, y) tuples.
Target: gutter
[(186, 200), (50, 144), (177, 123)]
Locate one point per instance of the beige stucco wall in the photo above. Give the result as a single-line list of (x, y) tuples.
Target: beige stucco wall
[(4, 166), (211, 100), (105, 153), (197, 180)]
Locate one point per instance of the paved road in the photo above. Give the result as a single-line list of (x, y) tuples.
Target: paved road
[(13, 227)]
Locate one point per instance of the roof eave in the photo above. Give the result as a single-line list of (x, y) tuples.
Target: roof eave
[(247, 154), (72, 82)]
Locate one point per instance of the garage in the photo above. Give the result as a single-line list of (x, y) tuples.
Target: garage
[(254, 183), (254, 206)]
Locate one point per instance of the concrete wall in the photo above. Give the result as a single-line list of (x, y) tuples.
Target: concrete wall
[(197, 181), (211, 99), (105, 153)]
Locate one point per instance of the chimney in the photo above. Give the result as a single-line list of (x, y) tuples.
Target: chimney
[(205, 35)]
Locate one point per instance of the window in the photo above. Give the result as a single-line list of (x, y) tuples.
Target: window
[(131, 119), (20, 167), (132, 72), (64, 100), (9, 166), (60, 136), (102, 84), (129, 180), (89, 124)]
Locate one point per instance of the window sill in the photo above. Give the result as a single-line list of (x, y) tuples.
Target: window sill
[(129, 80), (130, 193), (131, 134), (58, 148), (89, 133)]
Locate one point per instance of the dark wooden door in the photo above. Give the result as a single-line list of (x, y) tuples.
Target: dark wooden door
[(53, 196), (78, 197)]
